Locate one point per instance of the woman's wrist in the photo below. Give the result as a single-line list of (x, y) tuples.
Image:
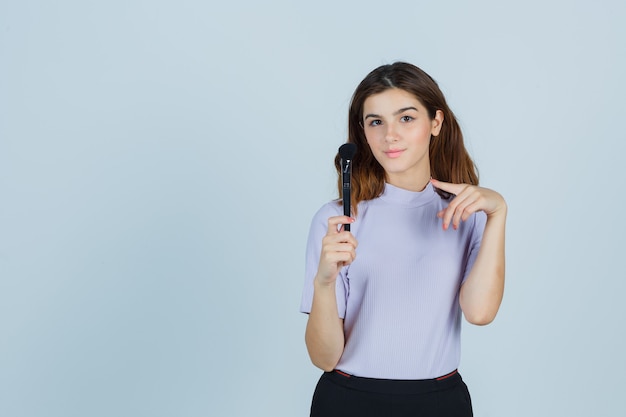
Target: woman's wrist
[(322, 284)]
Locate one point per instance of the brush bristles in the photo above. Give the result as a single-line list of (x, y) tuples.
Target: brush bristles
[(347, 151)]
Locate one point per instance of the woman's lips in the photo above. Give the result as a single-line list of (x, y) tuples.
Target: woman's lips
[(394, 153)]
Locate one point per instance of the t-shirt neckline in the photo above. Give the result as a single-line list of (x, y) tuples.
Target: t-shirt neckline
[(400, 196)]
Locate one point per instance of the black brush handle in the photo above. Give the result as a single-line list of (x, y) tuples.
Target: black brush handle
[(346, 151), (345, 178)]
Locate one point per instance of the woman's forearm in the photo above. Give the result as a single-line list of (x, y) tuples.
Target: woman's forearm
[(324, 332), (482, 291)]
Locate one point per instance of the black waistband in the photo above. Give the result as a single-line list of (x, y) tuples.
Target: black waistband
[(394, 386)]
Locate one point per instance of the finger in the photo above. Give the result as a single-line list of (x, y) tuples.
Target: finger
[(335, 221), (339, 237), (459, 214), (342, 242), (346, 262), (474, 201), (450, 211), (442, 215), (462, 210), (450, 214), (449, 187), (339, 247), (470, 209), (455, 211), (448, 217), (334, 258), (348, 238)]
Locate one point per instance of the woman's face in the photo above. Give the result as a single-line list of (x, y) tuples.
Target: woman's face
[(398, 130)]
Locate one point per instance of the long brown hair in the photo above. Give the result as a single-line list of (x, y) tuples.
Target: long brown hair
[(449, 160)]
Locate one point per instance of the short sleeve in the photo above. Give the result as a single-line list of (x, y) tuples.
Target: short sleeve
[(319, 226), (474, 241)]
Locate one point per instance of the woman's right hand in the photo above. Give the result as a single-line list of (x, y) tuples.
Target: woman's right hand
[(338, 250)]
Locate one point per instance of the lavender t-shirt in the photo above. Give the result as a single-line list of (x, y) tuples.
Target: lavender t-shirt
[(400, 297)]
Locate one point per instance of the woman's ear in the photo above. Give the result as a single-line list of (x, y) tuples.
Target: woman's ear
[(436, 123)]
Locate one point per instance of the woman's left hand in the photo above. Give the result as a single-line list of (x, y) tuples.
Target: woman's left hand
[(469, 199)]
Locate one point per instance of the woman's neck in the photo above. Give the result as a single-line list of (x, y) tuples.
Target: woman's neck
[(414, 182)]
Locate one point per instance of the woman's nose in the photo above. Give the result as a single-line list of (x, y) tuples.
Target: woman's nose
[(391, 135)]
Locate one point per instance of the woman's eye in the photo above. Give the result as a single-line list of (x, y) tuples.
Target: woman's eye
[(406, 118), (376, 122)]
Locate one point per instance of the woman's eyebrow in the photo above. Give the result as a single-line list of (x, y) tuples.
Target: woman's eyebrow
[(397, 112), (402, 110)]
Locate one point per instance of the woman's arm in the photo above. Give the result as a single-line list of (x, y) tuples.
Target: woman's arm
[(324, 331), (481, 293)]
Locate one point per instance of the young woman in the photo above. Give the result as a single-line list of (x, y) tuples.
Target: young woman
[(426, 243)]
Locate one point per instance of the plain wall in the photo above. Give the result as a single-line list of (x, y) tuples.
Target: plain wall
[(160, 162)]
